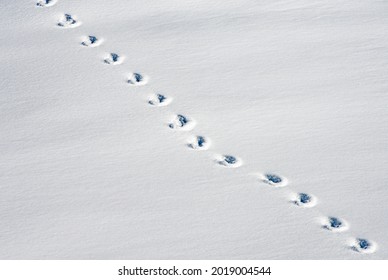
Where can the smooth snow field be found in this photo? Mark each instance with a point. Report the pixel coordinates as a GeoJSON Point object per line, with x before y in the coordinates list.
{"type": "Point", "coordinates": [194, 129]}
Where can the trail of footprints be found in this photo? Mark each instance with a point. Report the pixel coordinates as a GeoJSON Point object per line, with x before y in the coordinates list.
{"type": "Point", "coordinates": [182, 122]}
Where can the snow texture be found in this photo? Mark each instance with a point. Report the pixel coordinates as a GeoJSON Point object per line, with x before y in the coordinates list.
{"type": "Point", "coordinates": [94, 164]}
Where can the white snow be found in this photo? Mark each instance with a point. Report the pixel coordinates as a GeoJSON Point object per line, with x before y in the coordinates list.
{"type": "Point", "coordinates": [297, 88]}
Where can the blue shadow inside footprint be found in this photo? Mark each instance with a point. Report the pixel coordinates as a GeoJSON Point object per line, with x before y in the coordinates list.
{"type": "Point", "coordinates": [273, 178]}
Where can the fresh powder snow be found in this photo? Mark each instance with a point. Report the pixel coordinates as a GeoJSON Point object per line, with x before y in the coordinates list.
{"type": "Point", "coordinates": [194, 129]}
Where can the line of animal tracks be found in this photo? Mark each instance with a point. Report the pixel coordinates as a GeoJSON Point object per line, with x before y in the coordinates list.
{"type": "Point", "coordinates": [182, 122]}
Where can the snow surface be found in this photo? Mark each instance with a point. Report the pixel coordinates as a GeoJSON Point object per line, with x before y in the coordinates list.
{"type": "Point", "coordinates": [296, 88]}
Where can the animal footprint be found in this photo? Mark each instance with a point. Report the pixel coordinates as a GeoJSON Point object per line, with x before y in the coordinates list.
{"type": "Point", "coordinates": [364, 246]}
{"type": "Point", "coordinates": [91, 41]}
{"type": "Point", "coordinates": [181, 122]}
{"type": "Point", "coordinates": [229, 161]}
{"type": "Point", "coordinates": [335, 224]}
{"type": "Point", "coordinates": [68, 21]}
{"type": "Point", "coordinates": [199, 143]}
{"type": "Point", "coordinates": [274, 180]}
{"type": "Point", "coordinates": [305, 200]}
{"type": "Point", "coordinates": [45, 3]}
{"type": "Point", "coordinates": [114, 59]}
{"type": "Point", "coordinates": [136, 79]}
{"type": "Point", "coordinates": [159, 100]}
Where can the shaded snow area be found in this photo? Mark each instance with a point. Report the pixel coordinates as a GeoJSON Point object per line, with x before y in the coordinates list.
{"type": "Point", "coordinates": [194, 129]}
